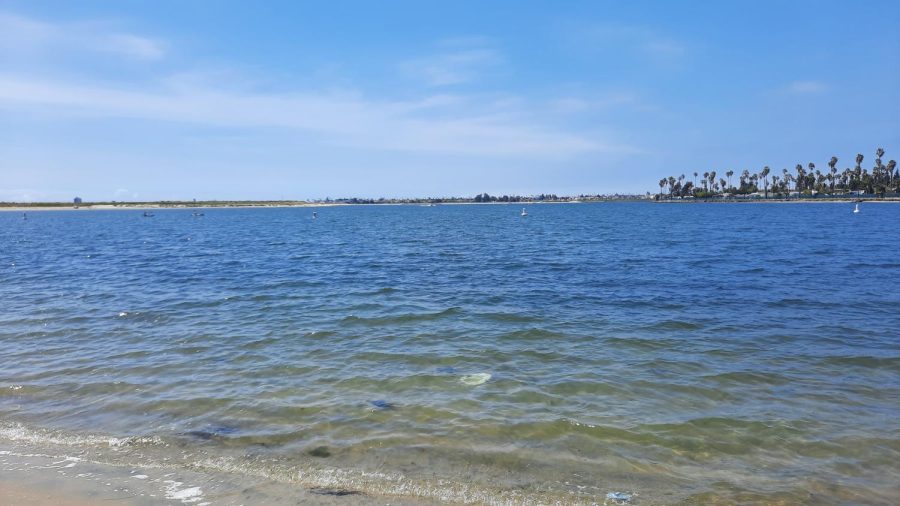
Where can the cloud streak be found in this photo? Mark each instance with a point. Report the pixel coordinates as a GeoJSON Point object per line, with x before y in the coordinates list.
{"type": "Point", "coordinates": [25, 36]}
{"type": "Point", "coordinates": [435, 124]}
{"type": "Point", "coordinates": [462, 61]}
{"type": "Point", "coordinates": [806, 87]}
{"type": "Point", "coordinates": [644, 42]}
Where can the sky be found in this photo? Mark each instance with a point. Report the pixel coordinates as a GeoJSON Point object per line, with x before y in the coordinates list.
{"type": "Point", "coordinates": [226, 100]}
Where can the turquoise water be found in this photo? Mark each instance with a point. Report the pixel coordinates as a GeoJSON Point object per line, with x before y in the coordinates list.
{"type": "Point", "coordinates": [699, 352]}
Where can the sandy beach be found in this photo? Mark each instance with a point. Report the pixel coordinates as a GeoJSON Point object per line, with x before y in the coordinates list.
{"type": "Point", "coordinates": [39, 475]}
{"type": "Point", "coordinates": [157, 207]}
{"type": "Point", "coordinates": [20, 208]}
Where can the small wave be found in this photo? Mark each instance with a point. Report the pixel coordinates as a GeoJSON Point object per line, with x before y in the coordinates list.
{"type": "Point", "coordinates": [638, 343]}
{"type": "Point", "coordinates": [21, 433]}
{"type": "Point", "coordinates": [356, 482]}
{"type": "Point", "coordinates": [400, 319]}
{"type": "Point", "coordinates": [534, 334]}
{"type": "Point", "coordinates": [868, 362]}
{"type": "Point", "coordinates": [747, 378]}
{"type": "Point", "coordinates": [867, 266]}
{"type": "Point", "coordinates": [675, 325]}
{"type": "Point", "coordinates": [801, 303]}
{"type": "Point", "coordinates": [155, 317]}
{"type": "Point", "coordinates": [508, 317]}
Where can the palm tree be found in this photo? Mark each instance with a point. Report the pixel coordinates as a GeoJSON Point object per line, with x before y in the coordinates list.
{"type": "Point", "coordinates": [858, 169]}
{"type": "Point", "coordinates": [832, 167]}
{"type": "Point", "coordinates": [882, 179]}
{"type": "Point", "coordinates": [891, 166]}
{"type": "Point", "coordinates": [695, 179]}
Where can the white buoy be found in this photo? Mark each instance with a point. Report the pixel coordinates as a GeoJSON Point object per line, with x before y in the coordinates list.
{"type": "Point", "coordinates": [856, 209]}
{"type": "Point", "coordinates": [524, 212]}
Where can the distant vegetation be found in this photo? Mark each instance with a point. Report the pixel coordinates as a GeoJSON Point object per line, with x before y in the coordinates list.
{"type": "Point", "coordinates": [485, 198]}
{"type": "Point", "coordinates": [480, 198]}
{"type": "Point", "coordinates": [803, 182]}
{"type": "Point", "coordinates": [160, 203]}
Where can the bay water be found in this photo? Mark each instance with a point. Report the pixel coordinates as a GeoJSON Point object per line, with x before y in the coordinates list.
{"type": "Point", "coordinates": [654, 353]}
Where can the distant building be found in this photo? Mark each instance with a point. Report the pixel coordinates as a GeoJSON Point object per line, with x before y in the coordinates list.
{"type": "Point", "coordinates": [77, 201]}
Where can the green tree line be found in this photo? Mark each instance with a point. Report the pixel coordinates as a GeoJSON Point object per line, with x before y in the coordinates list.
{"type": "Point", "coordinates": [803, 181]}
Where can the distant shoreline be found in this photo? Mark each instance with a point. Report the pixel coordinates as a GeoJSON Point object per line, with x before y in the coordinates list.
{"type": "Point", "coordinates": [147, 206]}
{"type": "Point", "coordinates": [153, 206]}
{"type": "Point", "coordinates": [847, 200]}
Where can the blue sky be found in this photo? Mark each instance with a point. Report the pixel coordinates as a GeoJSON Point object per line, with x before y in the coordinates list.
{"type": "Point", "coordinates": [267, 100]}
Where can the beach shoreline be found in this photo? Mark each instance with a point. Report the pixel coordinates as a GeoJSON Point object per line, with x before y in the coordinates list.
{"type": "Point", "coordinates": [43, 475]}
{"type": "Point", "coordinates": [24, 208]}
{"type": "Point", "coordinates": [778, 201]}
{"type": "Point", "coordinates": [152, 207]}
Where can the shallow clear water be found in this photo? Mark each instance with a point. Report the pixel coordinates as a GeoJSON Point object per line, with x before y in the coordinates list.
{"type": "Point", "coordinates": [697, 352]}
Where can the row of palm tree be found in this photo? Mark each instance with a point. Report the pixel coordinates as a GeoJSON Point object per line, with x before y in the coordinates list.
{"type": "Point", "coordinates": [806, 181]}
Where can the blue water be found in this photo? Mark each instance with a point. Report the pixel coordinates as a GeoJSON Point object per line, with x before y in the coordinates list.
{"type": "Point", "coordinates": [679, 352]}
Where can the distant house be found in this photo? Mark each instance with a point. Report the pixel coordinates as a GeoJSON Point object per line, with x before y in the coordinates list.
{"type": "Point", "coordinates": [77, 201]}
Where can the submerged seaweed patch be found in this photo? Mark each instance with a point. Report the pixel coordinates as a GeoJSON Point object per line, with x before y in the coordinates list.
{"type": "Point", "coordinates": [319, 451]}
{"type": "Point", "coordinates": [337, 492]}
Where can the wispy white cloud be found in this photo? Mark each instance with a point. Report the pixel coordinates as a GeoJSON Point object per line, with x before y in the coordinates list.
{"type": "Point", "coordinates": [805, 87]}
{"type": "Point", "coordinates": [21, 35]}
{"type": "Point", "coordinates": [496, 125]}
{"type": "Point", "coordinates": [663, 48]}
{"type": "Point", "coordinates": [133, 46]}
{"type": "Point", "coordinates": [457, 61]}
{"type": "Point", "coordinates": [30, 195]}
{"type": "Point", "coordinates": [579, 104]}
{"type": "Point", "coordinates": [642, 41]}
{"type": "Point", "coordinates": [19, 30]}
{"type": "Point", "coordinates": [439, 124]}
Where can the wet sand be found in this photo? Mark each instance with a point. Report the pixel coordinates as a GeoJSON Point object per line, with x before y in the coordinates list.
{"type": "Point", "coordinates": [35, 476]}
{"type": "Point", "coordinates": [23, 496]}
